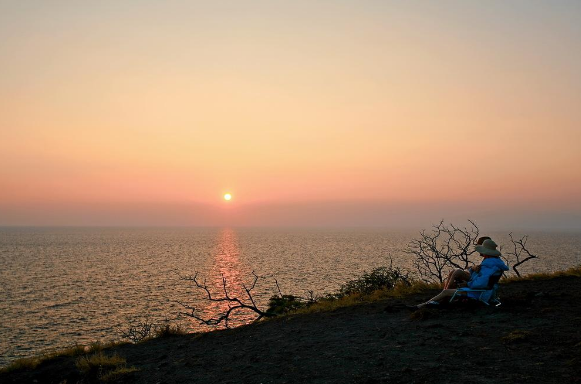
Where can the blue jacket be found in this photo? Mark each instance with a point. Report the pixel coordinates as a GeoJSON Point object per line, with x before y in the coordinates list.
{"type": "Point", "coordinates": [488, 267]}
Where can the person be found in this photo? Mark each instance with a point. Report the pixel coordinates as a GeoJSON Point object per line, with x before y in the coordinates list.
{"type": "Point", "coordinates": [458, 278]}
{"type": "Point", "coordinates": [479, 277]}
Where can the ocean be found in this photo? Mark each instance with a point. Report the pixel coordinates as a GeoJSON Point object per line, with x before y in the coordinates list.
{"type": "Point", "coordinates": [74, 286]}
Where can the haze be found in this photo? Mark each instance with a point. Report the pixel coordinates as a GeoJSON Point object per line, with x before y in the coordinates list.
{"type": "Point", "coordinates": [349, 113]}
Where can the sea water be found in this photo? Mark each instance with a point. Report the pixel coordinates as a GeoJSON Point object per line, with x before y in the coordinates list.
{"type": "Point", "coordinates": [71, 286]}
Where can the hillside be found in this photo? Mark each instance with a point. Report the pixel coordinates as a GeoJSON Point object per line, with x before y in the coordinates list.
{"type": "Point", "coordinates": [534, 337]}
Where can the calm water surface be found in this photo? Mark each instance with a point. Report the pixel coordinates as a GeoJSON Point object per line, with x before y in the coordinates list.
{"type": "Point", "coordinates": [65, 286]}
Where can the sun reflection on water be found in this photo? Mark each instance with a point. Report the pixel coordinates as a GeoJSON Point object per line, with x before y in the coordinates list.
{"type": "Point", "coordinates": [227, 267]}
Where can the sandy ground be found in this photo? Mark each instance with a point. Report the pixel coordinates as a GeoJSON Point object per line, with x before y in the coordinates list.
{"type": "Point", "coordinates": [534, 337]}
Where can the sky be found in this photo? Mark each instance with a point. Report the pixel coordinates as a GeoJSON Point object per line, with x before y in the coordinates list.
{"type": "Point", "coordinates": [324, 113]}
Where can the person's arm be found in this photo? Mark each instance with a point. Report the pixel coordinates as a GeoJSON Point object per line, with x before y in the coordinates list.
{"type": "Point", "coordinates": [480, 280]}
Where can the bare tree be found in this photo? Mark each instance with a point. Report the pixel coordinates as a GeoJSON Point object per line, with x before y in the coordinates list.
{"type": "Point", "coordinates": [233, 304]}
{"type": "Point", "coordinates": [519, 254]}
{"type": "Point", "coordinates": [445, 246]}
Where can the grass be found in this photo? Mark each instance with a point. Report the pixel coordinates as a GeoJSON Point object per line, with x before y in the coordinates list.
{"type": "Point", "coordinates": [167, 330]}
{"type": "Point", "coordinates": [117, 373]}
{"type": "Point", "coordinates": [86, 364]}
{"type": "Point", "coordinates": [571, 272]}
{"type": "Point", "coordinates": [170, 330]}
{"type": "Point", "coordinates": [400, 290]}
{"type": "Point", "coordinates": [76, 350]}
{"type": "Point", "coordinates": [102, 367]}
{"type": "Point", "coordinates": [516, 336]}
{"type": "Point", "coordinates": [29, 363]}
{"type": "Point", "coordinates": [20, 364]}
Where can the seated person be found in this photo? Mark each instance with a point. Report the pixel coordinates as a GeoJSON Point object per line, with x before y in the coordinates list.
{"type": "Point", "coordinates": [479, 279]}
{"type": "Point", "coordinates": [460, 277]}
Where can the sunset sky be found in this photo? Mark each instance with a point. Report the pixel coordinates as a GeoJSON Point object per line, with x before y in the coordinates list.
{"type": "Point", "coordinates": [379, 113]}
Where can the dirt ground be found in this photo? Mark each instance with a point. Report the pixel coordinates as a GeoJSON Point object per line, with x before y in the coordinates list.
{"type": "Point", "coordinates": [533, 337]}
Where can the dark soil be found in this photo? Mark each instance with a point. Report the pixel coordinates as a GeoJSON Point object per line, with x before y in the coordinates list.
{"type": "Point", "coordinates": [533, 337]}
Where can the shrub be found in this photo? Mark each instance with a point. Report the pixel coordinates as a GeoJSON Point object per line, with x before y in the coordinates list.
{"type": "Point", "coordinates": [144, 330]}
{"type": "Point", "coordinates": [378, 278]}
{"type": "Point", "coordinates": [168, 330]}
{"type": "Point", "coordinates": [279, 305]}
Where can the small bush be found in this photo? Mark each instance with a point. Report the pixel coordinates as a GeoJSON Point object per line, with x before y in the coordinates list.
{"type": "Point", "coordinates": [144, 330]}
{"type": "Point", "coordinates": [279, 305]}
{"type": "Point", "coordinates": [378, 284]}
{"type": "Point", "coordinates": [168, 330]}
{"type": "Point", "coordinates": [378, 278]}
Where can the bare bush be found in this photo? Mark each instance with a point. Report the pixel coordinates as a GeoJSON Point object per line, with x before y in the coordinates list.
{"type": "Point", "coordinates": [519, 254]}
{"type": "Point", "coordinates": [448, 247]}
{"type": "Point", "coordinates": [445, 246]}
{"type": "Point", "coordinates": [146, 329]}
{"type": "Point", "coordinates": [139, 330]}
{"type": "Point", "coordinates": [233, 303]}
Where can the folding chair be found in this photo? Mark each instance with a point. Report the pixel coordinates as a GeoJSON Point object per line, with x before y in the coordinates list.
{"type": "Point", "coordinates": [487, 295]}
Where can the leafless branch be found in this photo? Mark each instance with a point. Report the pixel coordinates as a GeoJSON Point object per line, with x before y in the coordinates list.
{"type": "Point", "coordinates": [445, 246]}
{"type": "Point", "coordinates": [519, 250]}
{"type": "Point", "coordinates": [278, 287]}
{"type": "Point", "coordinates": [138, 331]}
{"type": "Point", "coordinates": [233, 303]}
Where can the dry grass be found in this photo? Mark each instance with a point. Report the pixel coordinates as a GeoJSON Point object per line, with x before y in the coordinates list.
{"type": "Point", "coordinates": [76, 350]}
{"type": "Point", "coordinates": [516, 336]}
{"type": "Point", "coordinates": [170, 330]}
{"type": "Point", "coordinates": [20, 364]}
{"type": "Point", "coordinates": [574, 272]}
{"type": "Point", "coordinates": [103, 367]}
{"type": "Point", "coordinates": [80, 350]}
{"type": "Point", "coordinates": [399, 291]}
{"type": "Point", "coordinates": [86, 364]}
{"type": "Point", "coordinates": [117, 374]}
{"type": "Point", "coordinates": [402, 290]}
{"type": "Point", "coordinates": [324, 305]}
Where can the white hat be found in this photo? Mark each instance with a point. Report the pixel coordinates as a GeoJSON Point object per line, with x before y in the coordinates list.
{"type": "Point", "coordinates": [487, 248]}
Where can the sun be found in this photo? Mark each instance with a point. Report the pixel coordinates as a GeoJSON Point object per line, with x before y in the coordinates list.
{"type": "Point", "coordinates": [227, 197]}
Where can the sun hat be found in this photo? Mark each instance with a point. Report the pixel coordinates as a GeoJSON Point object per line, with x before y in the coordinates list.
{"type": "Point", "coordinates": [481, 240]}
{"type": "Point", "coordinates": [487, 248]}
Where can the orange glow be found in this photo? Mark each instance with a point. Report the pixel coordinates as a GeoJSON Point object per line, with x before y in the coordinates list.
{"type": "Point", "coordinates": [296, 103]}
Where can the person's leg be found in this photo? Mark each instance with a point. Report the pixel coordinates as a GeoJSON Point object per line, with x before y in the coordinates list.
{"type": "Point", "coordinates": [440, 297]}
{"type": "Point", "coordinates": [457, 274]}
{"type": "Point", "coordinates": [448, 279]}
